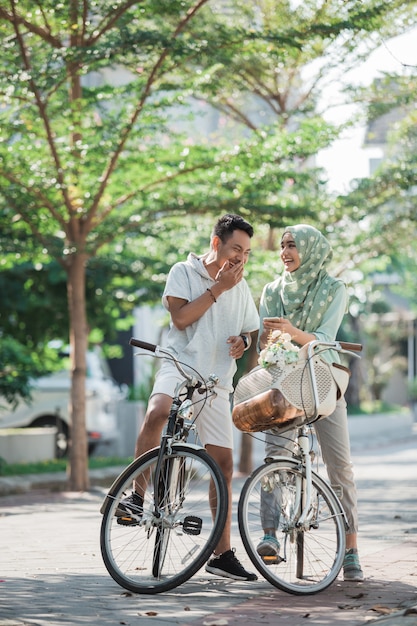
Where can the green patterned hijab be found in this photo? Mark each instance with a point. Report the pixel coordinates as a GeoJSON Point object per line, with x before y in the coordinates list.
{"type": "Point", "coordinates": [306, 292]}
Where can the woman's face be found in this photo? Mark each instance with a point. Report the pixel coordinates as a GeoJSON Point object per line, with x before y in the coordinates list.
{"type": "Point", "coordinates": [289, 253]}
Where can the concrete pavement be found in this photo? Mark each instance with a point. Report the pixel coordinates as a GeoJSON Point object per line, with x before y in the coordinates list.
{"type": "Point", "coordinates": [52, 571]}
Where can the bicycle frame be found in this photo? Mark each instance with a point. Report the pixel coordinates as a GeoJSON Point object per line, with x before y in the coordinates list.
{"type": "Point", "coordinates": [302, 430]}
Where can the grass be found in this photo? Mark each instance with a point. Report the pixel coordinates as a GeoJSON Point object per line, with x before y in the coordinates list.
{"type": "Point", "coordinates": [375, 407]}
{"type": "Point", "coordinates": [57, 465]}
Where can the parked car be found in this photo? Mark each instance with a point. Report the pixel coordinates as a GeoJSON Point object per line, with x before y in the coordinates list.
{"type": "Point", "coordinates": [49, 405]}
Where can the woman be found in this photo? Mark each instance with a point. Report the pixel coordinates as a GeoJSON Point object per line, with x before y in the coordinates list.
{"type": "Point", "coordinates": [309, 304]}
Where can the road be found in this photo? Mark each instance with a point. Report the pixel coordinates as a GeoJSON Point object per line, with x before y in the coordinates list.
{"type": "Point", "coordinates": [52, 571]}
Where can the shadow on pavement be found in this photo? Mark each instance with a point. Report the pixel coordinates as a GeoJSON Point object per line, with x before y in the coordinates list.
{"type": "Point", "coordinates": [84, 599]}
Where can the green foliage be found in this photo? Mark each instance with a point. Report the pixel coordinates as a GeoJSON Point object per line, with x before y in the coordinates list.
{"type": "Point", "coordinates": [374, 408]}
{"type": "Point", "coordinates": [18, 364]}
{"type": "Point", "coordinates": [122, 123]}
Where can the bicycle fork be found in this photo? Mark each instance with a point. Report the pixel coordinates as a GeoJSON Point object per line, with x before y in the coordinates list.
{"type": "Point", "coordinates": [301, 513]}
{"type": "Point", "coordinates": [303, 495]}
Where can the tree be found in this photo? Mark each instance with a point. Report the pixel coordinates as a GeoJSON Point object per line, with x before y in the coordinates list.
{"type": "Point", "coordinates": [77, 167]}
{"type": "Point", "coordinates": [89, 153]}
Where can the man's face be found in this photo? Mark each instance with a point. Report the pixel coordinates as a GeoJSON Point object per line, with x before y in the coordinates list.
{"type": "Point", "coordinates": [236, 249]}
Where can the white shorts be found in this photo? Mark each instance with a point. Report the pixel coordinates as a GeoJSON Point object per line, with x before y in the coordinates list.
{"type": "Point", "coordinates": [213, 417]}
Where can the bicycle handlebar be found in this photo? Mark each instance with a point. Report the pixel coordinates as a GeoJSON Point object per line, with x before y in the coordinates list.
{"type": "Point", "coordinates": [339, 346]}
{"type": "Point", "coordinates": [189, 377]}
{"type": "Point", "coordinates": [138, 343]}
{"type": "Point", "coordinates": [354, 347]}
{"type": "Point", "coordinates": [151, 347]}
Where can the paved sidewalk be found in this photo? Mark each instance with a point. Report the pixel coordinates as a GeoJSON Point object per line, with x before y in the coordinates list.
{"type": "Point", "coordinates": [52, 572]}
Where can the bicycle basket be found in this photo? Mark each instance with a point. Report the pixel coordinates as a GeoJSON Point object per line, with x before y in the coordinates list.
{"type": "Point", "coordinates": [257, 406]}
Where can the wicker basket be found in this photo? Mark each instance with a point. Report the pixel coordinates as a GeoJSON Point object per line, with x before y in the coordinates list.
{"type": "Point", "coordinates": [283, 396]}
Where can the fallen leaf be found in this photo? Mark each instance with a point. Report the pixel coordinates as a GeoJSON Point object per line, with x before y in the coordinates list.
{"type": "Point", "coordinates": [382, 610]}
{"type": "Point", "coordinates": [412, 610]}
{"type": "Point", "coordinates": [151, 613]}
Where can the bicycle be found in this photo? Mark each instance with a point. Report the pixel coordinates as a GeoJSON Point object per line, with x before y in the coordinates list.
{"type": "Point", "coordinates": [310, 519]}
{"type": "Point", "coordinates": [185, 500]}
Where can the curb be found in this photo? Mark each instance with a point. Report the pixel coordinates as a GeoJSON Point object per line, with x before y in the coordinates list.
{"type": "Point", "coordinates": [54, 481]}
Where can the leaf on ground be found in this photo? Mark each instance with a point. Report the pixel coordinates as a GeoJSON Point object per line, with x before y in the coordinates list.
{"type": "Point", "coordinates": [412, 610]}
{"type": "Point", "coordinates": [382, 610]}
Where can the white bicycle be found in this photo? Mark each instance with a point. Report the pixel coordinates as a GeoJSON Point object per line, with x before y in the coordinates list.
{"type": "Point", "coordinates": [309, 517]}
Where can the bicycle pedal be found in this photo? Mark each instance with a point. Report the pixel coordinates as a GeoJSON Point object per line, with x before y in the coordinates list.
{"type": "Point", "coordinates": [272, 560]}
{"type": "Point", "coordinates": [192, 525]}
{"type": "Point", "coordinates": [128, 521]}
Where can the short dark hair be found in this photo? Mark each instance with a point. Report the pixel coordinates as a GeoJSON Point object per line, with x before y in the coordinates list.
{"type": "Point", "coordinates": [226, 224]}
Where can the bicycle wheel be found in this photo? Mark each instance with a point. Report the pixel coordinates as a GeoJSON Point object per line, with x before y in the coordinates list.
{"type": "Point", "coordinates": [169, 543]}
{"type": "Point", "coordinates": [311, 553]}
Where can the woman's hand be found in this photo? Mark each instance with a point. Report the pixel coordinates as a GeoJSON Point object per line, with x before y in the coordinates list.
{"type": "Point", "coordinates": [280, 323]}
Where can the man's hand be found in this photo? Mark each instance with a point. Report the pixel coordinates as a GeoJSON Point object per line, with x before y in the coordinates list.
{"type": "Point", "coordinates": [237, 346]}
{"type": "Point", "coordinates": [229, 275]}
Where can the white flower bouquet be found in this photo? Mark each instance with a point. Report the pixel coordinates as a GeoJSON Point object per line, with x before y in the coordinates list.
{"type": "Point", "coordinates": [279, 350]}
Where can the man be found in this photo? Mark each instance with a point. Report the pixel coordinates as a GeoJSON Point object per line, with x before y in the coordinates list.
{"type": "Point", "coordinates": [212, 313]}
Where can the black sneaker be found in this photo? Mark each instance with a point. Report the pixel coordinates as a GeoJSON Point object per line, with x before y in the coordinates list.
{"type": "Point", "coordinates": [228, 566]}
{"type": "Point", "coordinates": [130, 510]}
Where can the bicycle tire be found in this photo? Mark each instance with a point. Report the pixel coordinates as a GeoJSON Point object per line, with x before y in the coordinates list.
{"type": "Point", "coordinates": [310, 556]}
{"type": "Point", "coordinates": [130, 552]}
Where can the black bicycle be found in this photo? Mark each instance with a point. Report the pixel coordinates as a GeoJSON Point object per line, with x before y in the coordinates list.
{"type": "Point", "coordinates": [185, 501]}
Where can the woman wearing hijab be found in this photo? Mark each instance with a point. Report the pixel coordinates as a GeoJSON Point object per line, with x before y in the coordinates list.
{"type": "Point", "coordinates": [309, 304]}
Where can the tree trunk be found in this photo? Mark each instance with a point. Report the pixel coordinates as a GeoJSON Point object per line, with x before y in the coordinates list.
{"type": "Point", "coordinates": [352, 394]}
{"type": "Point", "coordinates": [78, 475]}
{"type": "Point", "coordinates": [245, 458]}
{"type": "Point", "coordinates": [245, 465]}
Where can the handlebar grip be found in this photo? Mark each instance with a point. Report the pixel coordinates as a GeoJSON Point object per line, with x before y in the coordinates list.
{"type": "Point", "coordinates": [355, 347]}
{"type": "Point", "coordinates": [138, 343]}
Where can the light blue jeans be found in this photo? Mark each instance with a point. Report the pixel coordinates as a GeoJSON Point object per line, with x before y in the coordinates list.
{"type": "Point", "coordinates": [333, 436]}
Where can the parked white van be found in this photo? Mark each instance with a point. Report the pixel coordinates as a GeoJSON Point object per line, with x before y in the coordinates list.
{"type": "Point", "coordinates": [49, 405]}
